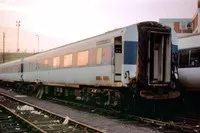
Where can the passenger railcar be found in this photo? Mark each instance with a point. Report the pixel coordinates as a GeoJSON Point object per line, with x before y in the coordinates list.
{"type": "Point", "coordinates": [189, 69]}
{"type": "Point", "coordinates": [189, 62]}
{"type": "Point", "coordinates": [109, 69]}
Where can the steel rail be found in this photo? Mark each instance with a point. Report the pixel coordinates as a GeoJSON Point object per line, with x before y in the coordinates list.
{"type": "Point", "coordinates": [24, 120]}
{"type": "Point", "coordinates": [71, 121]}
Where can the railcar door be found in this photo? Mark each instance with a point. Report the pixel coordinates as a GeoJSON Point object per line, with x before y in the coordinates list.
{"type": "Point", "coordinates": [37, 77]}
{"type": "Point", "coordinates": [21, 69]}
{"type": "Point", "coordinates": [117, 59]}
{"type": "Point", "coordinates": [159, 64]}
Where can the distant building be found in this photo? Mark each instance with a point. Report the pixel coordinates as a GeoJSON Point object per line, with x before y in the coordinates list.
{"type": "Point", "coordinates": [188, 32]}
{"type": "Point", "coordinates": [184, 26]}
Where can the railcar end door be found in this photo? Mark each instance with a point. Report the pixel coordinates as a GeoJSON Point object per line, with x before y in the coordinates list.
{"type": "Point", "coordinates": [117, 59]}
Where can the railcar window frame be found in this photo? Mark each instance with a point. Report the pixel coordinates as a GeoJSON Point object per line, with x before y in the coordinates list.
{"type": "Point", "coordinates": [74, 59]}
{"type": "Point", "coordinates": [99, 55]}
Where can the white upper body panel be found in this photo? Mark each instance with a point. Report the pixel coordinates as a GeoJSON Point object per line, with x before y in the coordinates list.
{"type": "Point", "coordinates": [191, 41]}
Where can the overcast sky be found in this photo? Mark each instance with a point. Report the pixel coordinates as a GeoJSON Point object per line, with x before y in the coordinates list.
{"type": "Point", "coordinates": [77, 19]}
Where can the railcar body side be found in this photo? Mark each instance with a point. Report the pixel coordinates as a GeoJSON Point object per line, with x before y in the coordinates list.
{"type": "Point", "coordinates": [10, 71]}
{"type": "Point", "coordinates": [76, 72]}
{"type": "Point", "coordinates": [189, 70]}
{"type": "Point", "coordinates": [189, 62]}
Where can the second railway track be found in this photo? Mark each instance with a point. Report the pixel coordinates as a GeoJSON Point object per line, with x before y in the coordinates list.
{"type": "Point", "coordinates": [44, 120]}
{"type": "Point", "coordinates": [183, 124]}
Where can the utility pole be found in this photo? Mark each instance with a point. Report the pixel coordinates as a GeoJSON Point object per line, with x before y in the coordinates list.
{"type": "Point", "coordinates": [3, 47]}
{"type": "Point", "coordinates": [38, 43]}
{"type": "Point", "coordinates": [18, 25]}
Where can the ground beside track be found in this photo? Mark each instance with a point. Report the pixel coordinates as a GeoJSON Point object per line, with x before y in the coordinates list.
{"type": "Point", "coordinates": [107, 124]}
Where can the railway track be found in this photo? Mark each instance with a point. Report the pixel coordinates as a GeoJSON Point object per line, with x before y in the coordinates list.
{"type": "Point", "coordinates": [12, 122]}
{"type": "Point", "coordinates": [44, 120]}
{"type": "Point", "coordinates": [182, 124]}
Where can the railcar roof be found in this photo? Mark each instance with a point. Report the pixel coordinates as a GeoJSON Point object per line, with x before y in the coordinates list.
{"type": "Point", "coordinates": [193, 34]}
{"type": "Point", "coordinates": [10, 62]}
{"type": "Point", "coordinates": [111, 31]}
{"type": "Point", "coordinates": [85, 39]}
{"type": "Point", "coordinates": [108, 32]}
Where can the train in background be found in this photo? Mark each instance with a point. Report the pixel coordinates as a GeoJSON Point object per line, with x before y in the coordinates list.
{"type": "Point", "coordinates": [189, 62]}
{"type": "Point", "coordinates": [189, 68]}
{"type": "Point", "coordinates": [117, 69]}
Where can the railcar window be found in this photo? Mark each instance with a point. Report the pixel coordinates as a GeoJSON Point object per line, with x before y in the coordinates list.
{"type": "Point", "coordinates": [67, 60]}
{"type": "Point", "coordinates": [99, 56]}
{"type": "Point", "coordinates": [82, 59]}
{"type": "Point", "coordinates": [56, 62]}
{"type": "Point", "coordinates": [46, 62]}
{"type": "Point", "coordinates": [195, 57]}
{"type": "Point", "coordinates": [183, 58]}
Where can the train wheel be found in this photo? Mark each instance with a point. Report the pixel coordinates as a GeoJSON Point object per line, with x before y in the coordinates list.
{"type": "Point", "coordinates": [31, 89]}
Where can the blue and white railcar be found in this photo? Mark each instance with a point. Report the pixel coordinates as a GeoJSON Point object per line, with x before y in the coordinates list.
{"type": "Point", "coordinates": [88, 62]}
{"type": "Point", "coordinates": [139, 58]}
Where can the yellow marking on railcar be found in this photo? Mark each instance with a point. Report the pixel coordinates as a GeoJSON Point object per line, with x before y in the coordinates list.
{"type": "Point", "coordinates": [98, 78]}
{"type": "Point", "coordinates": [105, 78]}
